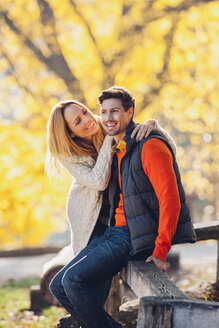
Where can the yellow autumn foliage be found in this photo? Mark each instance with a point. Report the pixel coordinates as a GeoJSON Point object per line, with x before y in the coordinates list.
{"type": "Point", "coordinates": [165, 53]}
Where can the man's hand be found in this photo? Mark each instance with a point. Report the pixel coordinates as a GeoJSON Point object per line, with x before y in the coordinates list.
{"type": "Point", "coordinates": [143, 130]}
{"type": "Point", "coordinates": [159, 263]}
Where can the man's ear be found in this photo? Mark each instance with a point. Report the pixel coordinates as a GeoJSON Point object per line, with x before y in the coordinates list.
{"type": "Point", "coordinates": [131, 111]}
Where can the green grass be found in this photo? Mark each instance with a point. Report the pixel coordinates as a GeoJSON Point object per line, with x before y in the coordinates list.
{"type": "Point", "coordinates": [14, 305]}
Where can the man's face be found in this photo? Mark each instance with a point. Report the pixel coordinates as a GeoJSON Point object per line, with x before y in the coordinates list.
{"type": "Point", "coordinates": [114, 118]}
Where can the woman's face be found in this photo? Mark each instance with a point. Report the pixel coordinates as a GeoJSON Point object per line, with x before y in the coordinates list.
{"type": "Point", "coordinates": [81, 122]}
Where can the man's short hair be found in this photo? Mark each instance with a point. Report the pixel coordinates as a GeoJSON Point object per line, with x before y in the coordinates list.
{"type": "Point", "coordinates": [121, 93]}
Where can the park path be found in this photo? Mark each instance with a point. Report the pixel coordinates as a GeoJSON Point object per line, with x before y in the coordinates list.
{"type": "Point", "coordinates": [17, 268]}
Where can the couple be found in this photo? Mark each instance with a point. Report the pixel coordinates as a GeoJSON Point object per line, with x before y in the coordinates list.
{"type": "Point", "coordinates": [126, 200]}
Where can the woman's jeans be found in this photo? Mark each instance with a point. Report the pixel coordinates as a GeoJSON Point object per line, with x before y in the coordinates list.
{"type": "Point", "coordinates": [82, 286]}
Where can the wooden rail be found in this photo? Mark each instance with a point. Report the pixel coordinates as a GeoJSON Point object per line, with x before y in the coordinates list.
{"type": "Point", "coordinates": [145, 279]}
{"type": "Point", "coordinates": [207, 230]}
{"type": "Point", "coordinates": [162, 304]}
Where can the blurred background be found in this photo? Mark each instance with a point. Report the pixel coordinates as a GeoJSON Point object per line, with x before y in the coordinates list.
{"type": "Point", "coordinates": [166, 52]}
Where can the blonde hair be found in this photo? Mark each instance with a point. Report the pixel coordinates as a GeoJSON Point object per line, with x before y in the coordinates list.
{"type": "Point", "coordinates": [59, 142]}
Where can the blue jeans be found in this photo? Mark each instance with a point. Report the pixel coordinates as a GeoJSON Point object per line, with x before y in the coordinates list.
{"type": "Point", "coordinates": [77, 286]}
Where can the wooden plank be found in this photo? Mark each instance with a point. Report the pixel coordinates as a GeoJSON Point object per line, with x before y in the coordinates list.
{"type": "Point", "coordinates": [145, 279]}
{"type": "Point", "coordinates": [29, 251]}
{"type": "Point", "coordinates": [207, 230]}
{"type": "Point", "coordinates": [186, 313]}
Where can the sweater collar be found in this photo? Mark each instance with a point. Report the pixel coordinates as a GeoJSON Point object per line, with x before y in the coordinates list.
{"type": "Point", "coordinates": [127, 141]}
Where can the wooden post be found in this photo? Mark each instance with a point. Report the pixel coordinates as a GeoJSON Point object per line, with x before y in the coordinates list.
{"type": "Point", "coordinates": [44, 285]}
{"type": "Point", "coordinates": [37, 302]}
{"type": "Point", "coordinates": [164, 312]}
{"type": "Point", "coordinates": [113, 300]}
{"type": "Point", "coordinates": [153, 315]}
{"type": "Point", "coordinates": [217, 278]}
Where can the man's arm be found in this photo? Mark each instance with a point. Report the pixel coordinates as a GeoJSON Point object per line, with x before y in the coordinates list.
{"type": "Point", "coordinates": [157, 163]}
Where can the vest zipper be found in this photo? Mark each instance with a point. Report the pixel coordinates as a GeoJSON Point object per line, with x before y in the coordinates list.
{"type": "Point", "coordinates": [131, 251]}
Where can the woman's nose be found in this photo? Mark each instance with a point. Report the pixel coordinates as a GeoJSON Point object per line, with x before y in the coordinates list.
{"type": "Point", "coordinates": [88, 119]}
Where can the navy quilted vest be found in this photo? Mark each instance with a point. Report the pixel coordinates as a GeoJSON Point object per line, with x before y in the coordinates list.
{"type": "Point", "coordinates": [141, 205]}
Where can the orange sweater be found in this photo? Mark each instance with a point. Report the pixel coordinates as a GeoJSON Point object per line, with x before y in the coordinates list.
{"type": "Point", "coordinates": [157, 163]}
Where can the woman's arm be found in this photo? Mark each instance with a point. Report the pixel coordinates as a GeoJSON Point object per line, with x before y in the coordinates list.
{"type": "Point", "coordinates": [166, 136]}
{"type": "Point", "coordinates": [96, 177]}
{"type": "Point", "coordinates": [144, 129]}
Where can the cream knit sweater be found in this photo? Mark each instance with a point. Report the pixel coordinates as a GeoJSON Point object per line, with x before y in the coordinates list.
{"type": "Point", "coordinates": [86, 192]}
{"type": "Point", "coordinates": [90, 178]}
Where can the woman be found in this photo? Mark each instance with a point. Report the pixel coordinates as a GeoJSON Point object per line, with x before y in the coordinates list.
{"type": "Point", "coordinates": [77, 141]}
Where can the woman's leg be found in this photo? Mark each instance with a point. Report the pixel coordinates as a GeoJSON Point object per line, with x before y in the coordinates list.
{"type": "Point", "coordinates": [56, 286]}
{"type": "Point", "coordinates": [102, 263]}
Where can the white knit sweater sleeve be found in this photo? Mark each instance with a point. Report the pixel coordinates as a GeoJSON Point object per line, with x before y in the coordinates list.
{"type": "Point", "coordinates": [92, 175]}
{"type": "Point", "coordinates": [165, 135]}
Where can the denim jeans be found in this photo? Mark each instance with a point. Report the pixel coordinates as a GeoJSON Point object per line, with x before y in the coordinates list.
{"type": "Point", "coordinates": [77, 286]}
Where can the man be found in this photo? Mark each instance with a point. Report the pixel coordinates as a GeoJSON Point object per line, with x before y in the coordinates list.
{"type": "Point", "coordinates": [146, 200]}
{"type": "Point", "coordinates": [149, 197]}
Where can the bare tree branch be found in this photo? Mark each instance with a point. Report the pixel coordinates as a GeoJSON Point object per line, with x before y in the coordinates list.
{"type": "Point", "coordinates": [162, 76]}
{"type": "Point", "coordinates": [48, 20]}
{"type": "Point", "coordinates": [183, 6]}
{"type": "Point", "coordinates": [12, 72]}
{"type": "Point", "coordinates": [55, 62]}
{"type": "Point", "coordinates": [90, 33]}
{"type": "Point", "coordinates": [108, 77]}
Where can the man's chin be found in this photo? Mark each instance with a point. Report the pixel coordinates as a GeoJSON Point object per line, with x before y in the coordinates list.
{"type": "Point", "coordinates": [111, 133]}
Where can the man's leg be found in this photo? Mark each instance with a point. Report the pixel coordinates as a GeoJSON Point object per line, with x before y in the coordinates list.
{"type": "Point", "coordinates": [99, 265]}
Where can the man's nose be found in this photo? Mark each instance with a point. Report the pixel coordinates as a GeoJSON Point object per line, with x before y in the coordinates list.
{"type": "Point", "coordinates": [108, 116]}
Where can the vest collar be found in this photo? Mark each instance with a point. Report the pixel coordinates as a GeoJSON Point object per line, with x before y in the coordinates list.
{"type": "Point", "coordinates": [130, 141]}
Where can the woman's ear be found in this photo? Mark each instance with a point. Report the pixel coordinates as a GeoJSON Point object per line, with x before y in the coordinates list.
{"type": "Point", "coordinates": [72, 135]}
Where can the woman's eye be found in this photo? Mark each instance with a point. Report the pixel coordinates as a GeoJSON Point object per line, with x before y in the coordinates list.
{"type": "Point", "coordinates": [78, 121]}
{"type": "Point", "coordinates": [85, 112]}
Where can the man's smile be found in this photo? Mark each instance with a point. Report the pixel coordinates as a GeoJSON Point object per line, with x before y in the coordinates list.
{"type": "Point", "coordinates": [110, 125]}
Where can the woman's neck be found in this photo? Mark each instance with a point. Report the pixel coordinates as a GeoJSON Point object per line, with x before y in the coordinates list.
{"type": "Point", "coordinates": [89, 140]}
